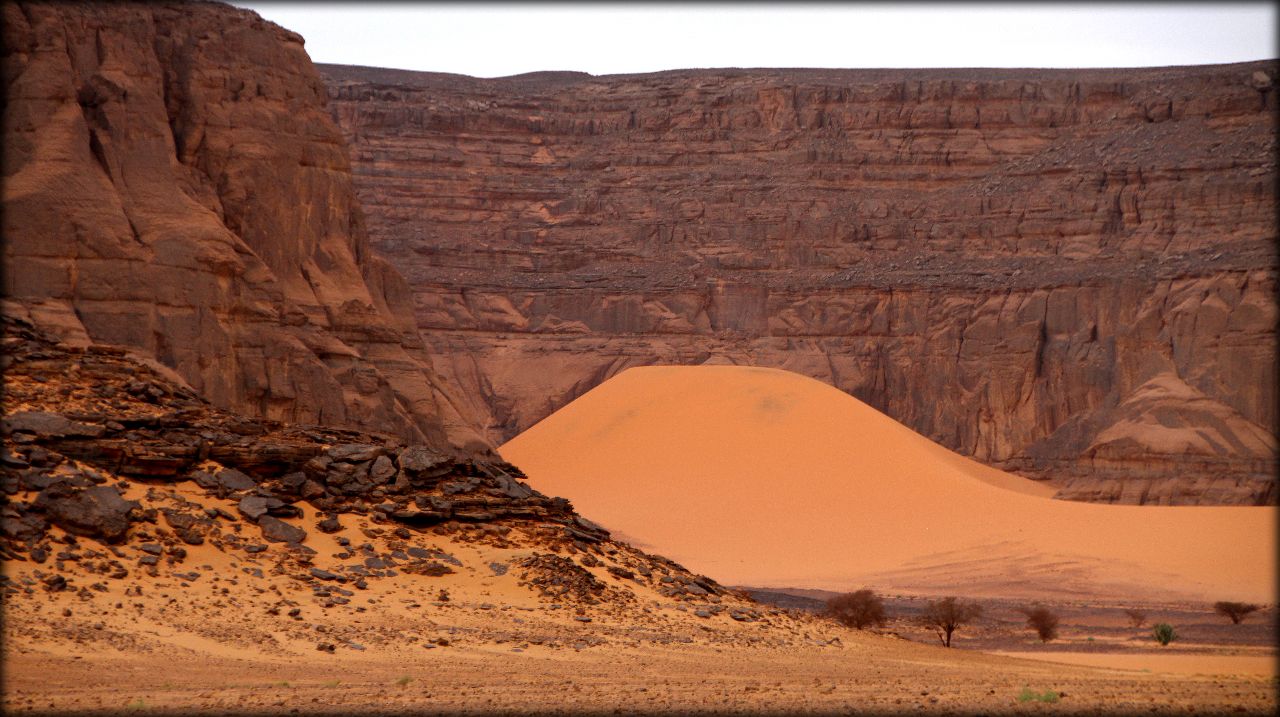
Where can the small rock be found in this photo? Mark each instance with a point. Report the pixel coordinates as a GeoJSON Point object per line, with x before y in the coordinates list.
{"type": "Point", "coordinates": [232, 479]}
{"type": "Point", "coordinates": [278, 531]}
{"type": "Point", "coordinates": [382, 469]}
{"type": "Point", "coordinates": [253, 506]}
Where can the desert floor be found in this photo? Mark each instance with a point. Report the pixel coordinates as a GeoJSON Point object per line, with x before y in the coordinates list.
{"type": "Point", "coordinates": [867, 673]}
{"type": "Point", "coordinates": [65, 654]}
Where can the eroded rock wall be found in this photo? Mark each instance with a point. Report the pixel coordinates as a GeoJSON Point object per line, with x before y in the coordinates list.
{"type": "Point", "coordinates": [173, 183]}
{"type": "Point", "coordinates": [1069, 274]}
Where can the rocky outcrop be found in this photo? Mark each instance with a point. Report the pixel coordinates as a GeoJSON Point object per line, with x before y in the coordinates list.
{"type": "Point", "coordinates": [173, 183]}
{"type": "Point", "coordinates": [1068, 274]}
{"type": "Point", "coordinates": [98, 445]}
{"type": "Point", "coordinates": [124, 419]}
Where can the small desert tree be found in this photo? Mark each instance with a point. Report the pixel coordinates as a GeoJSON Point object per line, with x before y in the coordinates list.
{"type": "Point", "coordinates": [1237, 611]}
{"type": "Point", "coordinates": [1136, 616]}
{"type": "Point", "coordinates": [946, 615]}
{"type": "Point", "coordinates": [1042, 620]}
{"type": "Point", "coordinates": [1164, 633]}
{"type": "Point", "coordinates": [859, 609]}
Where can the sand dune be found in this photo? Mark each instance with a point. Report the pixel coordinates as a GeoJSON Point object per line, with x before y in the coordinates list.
{"type": "Point", "coordinates": [764, 477]}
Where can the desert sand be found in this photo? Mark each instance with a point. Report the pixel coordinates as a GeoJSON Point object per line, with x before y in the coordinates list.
{"type": "Point", "coordinates": [764, 477]}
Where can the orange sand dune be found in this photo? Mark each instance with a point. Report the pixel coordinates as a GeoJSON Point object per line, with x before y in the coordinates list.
{"type": "Point", "coordinates": [764, 477]}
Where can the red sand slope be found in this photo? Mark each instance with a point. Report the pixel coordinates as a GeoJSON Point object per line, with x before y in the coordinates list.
{"type": "Point", "coordinates": [764, 477]}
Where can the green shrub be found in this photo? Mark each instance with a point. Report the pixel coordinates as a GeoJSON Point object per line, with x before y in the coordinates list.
{"type": "Point", "coordinates": [1029, 695]}
{"type": "Point", "coordinates": [1164, 633]}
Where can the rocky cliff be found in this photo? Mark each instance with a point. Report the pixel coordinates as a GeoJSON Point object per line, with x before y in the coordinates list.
{"type": "Point", "coordinates": [173, 183]}
{"type": "Point", "coordinates": [1068, 274]}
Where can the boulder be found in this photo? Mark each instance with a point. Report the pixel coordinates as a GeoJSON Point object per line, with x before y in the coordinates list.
{"type": "Point", "coordinates": [354, 452]}
{"type": "Point", "coordinates": [423, 460]}
{"type": "Point", "coordinates": [48, 425]}
{"type": "Point", "coordinates": [96, 512]}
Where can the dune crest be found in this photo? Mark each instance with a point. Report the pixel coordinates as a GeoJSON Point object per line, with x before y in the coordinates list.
{"type": "Point", "coordinates": [765, 477]}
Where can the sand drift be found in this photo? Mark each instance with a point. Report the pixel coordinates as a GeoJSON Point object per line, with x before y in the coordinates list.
{"type": "Point", "coordinates": [765, 477]}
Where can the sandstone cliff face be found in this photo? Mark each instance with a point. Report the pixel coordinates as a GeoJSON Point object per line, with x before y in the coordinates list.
{"type": "Point", "coordinates": [1068, 274]}
{"type": "Point", "coordinates": [173, 183]}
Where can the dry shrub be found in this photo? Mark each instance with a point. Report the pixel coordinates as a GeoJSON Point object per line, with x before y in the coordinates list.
{"type": "Point", "coordinates": [859, 609]}
{"type": "Point", "coordinates": [1042, 620]}
{"type": "Point", "coordinates": [945, 616]}
{"type": "Point", "coordinates": [1237, 611]}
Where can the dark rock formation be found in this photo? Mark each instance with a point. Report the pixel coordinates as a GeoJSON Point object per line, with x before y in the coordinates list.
{"type": "Point", "coordinates": [162, 445]}
{"type": "Point", "coordinates": [267, 465]}
{"type": "Point", "coordinates": [173, 184]}
{"type": "Point", "coordinates": [1018, 264]}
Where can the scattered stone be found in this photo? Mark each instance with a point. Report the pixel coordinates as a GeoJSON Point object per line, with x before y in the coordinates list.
{"type": "Point", "coordinates": [253, 506]}
{"type": "Point", "coordinates": [278, 531]}
{"type": "Point", "coordinates": [231, 479]}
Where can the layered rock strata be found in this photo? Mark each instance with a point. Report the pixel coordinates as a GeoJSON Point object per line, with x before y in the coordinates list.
{"type": "Point", "coordinates": [173, 183]}
{"type": "Point", "coordinates": [1069, 274]}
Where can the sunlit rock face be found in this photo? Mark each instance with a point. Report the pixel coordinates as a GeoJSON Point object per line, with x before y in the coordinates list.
{"type": "Point", "coordinates": [1069, 274]}
{"type": "Point", "coordinates": [173, 183]}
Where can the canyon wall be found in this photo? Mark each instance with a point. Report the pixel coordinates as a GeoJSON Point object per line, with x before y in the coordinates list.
{"type": "Point", "coordinates": [173, 183]}
{"type": "Point", "coordinates": [1070, 274]}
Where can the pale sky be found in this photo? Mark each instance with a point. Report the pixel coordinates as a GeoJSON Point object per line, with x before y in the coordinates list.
{"type": "Point", "coordinates": [492, 39]}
